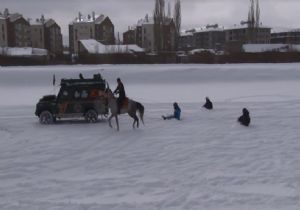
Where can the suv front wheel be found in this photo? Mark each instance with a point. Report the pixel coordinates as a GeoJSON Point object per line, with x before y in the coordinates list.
{"type": "Point", "coordinates": [46, 117]}
{"type": "Point", "coordinates": [91, 116]}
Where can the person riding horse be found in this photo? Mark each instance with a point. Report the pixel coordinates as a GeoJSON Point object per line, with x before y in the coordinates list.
{"type": "Point", "coordinates": [122, 95]}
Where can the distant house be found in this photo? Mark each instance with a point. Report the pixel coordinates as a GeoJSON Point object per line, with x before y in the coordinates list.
{"type": "Point", "coordinates": [285, 36]}
{"type": "Point", "coordinates": [98, 27]}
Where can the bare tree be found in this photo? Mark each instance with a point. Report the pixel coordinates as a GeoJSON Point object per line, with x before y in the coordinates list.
{"type": "Point", "coordinates": [257, 14]}
{"type": "Point", "coordinates": [159, 19]}
{"type": "Point", "coordinates": [251, 15]}
{"type": "Point", "coordinates": [169, 10]}
{"type": "Point", "coordinates": [177, 20]}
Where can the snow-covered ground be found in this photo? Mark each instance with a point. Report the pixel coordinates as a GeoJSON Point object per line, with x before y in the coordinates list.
{"type": "Point", "coordinates": [205, 161]}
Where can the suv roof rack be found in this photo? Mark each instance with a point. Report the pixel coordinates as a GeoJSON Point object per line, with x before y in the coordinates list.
{"type": "Point", "coordinates": [97, 79]}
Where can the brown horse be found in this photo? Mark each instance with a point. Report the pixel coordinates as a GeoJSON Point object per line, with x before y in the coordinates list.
{"type": "Point", "coordinates": [129, 106]}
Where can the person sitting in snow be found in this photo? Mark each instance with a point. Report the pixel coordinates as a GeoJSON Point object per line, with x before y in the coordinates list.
{"type": "Point", "coordinates": [176, 115]}
{"type": "Point", "coordinates": [208, 104]}
{"type": "Point", "coordinates": [245, 118]}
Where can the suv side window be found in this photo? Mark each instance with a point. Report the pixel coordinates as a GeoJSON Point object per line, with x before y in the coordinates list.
{"type": "Point", "coordinates": [84, 94]}
{"type": "Point", "coordinates": [76, 94]}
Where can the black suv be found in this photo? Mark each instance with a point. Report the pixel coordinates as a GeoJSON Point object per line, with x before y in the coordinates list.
{"type": "Point", "coordinates": [76, 98]}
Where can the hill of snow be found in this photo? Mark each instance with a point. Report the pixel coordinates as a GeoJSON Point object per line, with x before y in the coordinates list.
{"type": "Point", "coordinates": [205, 161]}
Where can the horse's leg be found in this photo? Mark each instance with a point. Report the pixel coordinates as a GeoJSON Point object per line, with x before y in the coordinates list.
{"type": "Point", "coordinates": [135, 119]}
{"type": "Point", "coordinates": [109, 120]}
{"type": "Point", "coordinates": [117, 121]}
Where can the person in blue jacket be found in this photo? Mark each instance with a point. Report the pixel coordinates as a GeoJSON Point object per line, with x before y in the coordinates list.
{"type": "Point", "coordinates": [176, 115]}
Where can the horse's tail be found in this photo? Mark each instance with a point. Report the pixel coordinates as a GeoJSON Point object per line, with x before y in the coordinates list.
{"type": "Point", "coordinates": [141, 110]}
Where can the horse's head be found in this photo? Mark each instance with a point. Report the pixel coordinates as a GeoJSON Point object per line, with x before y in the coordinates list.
{"type": "Point", "coordinates": [109, 93]}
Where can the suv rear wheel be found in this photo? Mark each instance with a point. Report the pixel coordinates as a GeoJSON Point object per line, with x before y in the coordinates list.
{"type": "Point", "coordinates": [91, 116]}
{"type": "Point", "coordinates": [46, 117]}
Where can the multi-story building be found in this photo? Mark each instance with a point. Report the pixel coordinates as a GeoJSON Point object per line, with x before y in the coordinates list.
{"type": "Point", "coordinates": [129, 36]}
{"type": "Point", "coordinates": [286, 37]}
{"type": "Point", "coordinates": [46, 34]}
{"type": "Point", "coordinates": [53, 37]}
{"type": "Point", "coordinates": [248, 35]}
{"type": "Point", "coordinates": [3, 31]}
{"type": "Point", "coordinates": [37, 33]}
{"type": "Point", "coordinates": [148, 38]}
{"type": "Point", "coordinates": [17, 29]}
{"type": "Point", "coordinates": [144, 35]}
{"type": "Point", "coordinates": [209, 37]}
{"type": "Point", "coordinates": [186, 40]}
{"type": "Point", "coordinates": [95, 27]}
{"type": "Point", "coordinates": [237, 36]}
{"type": "Point", "coordinates": [169, 33]}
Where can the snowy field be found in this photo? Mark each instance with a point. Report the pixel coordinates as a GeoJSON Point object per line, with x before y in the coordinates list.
{"type": "Point", "coordinates": [205, 161]}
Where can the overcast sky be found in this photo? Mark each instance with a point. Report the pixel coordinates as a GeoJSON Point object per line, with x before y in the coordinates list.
{"type": "Point", "coordinates": [124, 13]}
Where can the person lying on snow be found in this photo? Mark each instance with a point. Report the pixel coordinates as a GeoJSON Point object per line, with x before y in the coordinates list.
{"type": "Point", "coordinates": [245, 118]}
{"type": "Point", "coordinates": [176, 115]}
{"type": "Point", "coordinates": [208, 104]}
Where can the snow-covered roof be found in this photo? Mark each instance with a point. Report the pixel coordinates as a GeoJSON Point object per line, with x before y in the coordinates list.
{"type": "Point", "coordinates": [285, 30]}
{"type": "Point", "coordinates": [255, 48]}
{"type": "Point", "coordinates": [184, 33]}
{"type": "Point", "coordinates": [94, 47]}
{"type": "Point", "coordinates": [36, 22]}
{"type": "Point", "coordinates": [22, 51]}
{"type": "Point", "coordinates": [49, 22]}
{"type": "Point", "coordinates": [100, 19]}
{"type": "Point", "coordinates": [89, 19]}
{"type": "Point", "coordinates": [239, 26]}
{"type": "Point", "coordinates": [195, 51]}
{"type": "Point", "coordinates": [205, 29]}
{"type": "Point", "coordinates": [146, 20]}
{"type": "Point", "coordinates": [14, 17]}
{"type": "Point", "coordinates": [150, 20]}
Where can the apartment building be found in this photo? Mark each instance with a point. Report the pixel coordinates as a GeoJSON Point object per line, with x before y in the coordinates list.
{"type": "Point", "coordinates": [3, 31]}
{"type": "Point", "coordinates": [248, 35]}
{"type": "Point", "coordinates": [186, 40]}
{"type": "Point", "coordinates": [14, 30]}
{"type": "Point", "coordinates": [285, 36]}
{"type": "Point", "coordinates": [53, 37]}
{"type": "Point", "coordinates": [209, 37]}
{"type": "Point", "coordinates": [98, 27]}
{"type": "Point", "coordinates": [37, 33]}
{"type": "Point", "coordinates": [144, 34]}
{"type": "Point", "coordinates": [46, 34]}
{"type": "Point", "coordinates": [129, 36]}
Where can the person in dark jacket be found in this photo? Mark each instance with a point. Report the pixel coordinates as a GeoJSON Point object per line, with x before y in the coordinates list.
{"type": "Point", "coordinates": [245, 118]}
{"type": "Point", "coordinates": [176, 115]}
{"type": "Point", "coordinates": [122, 95]}
{"type": "Point", "coordinates": [208, 104]}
